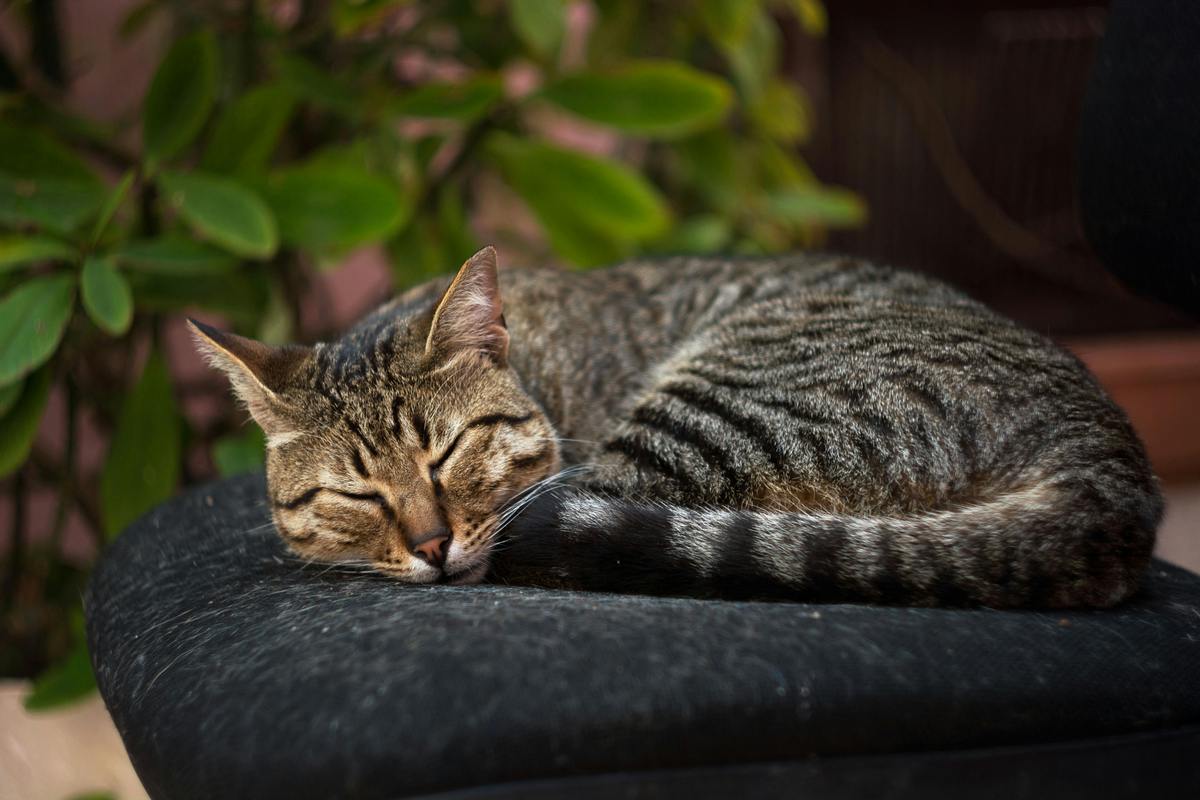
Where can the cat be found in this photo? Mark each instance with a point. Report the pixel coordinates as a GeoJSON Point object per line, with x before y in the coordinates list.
{"type": "Point", "coordinates": [801, 426]}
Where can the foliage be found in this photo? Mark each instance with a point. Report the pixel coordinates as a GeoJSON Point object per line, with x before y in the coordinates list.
{"type": "Point", "coordinates": [274, 138]}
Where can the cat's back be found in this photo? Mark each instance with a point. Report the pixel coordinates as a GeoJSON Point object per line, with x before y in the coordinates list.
{"type": "Point", "coordinates": [661, 301]}
{"type": "Point", "coordinates": [665, 279]}
{"type": "Point", "coordinates": [681, 289]}
{"type": "Point", "coordinates": [691, 278]}
{"type": "Point", "coordinates": [848, 335]}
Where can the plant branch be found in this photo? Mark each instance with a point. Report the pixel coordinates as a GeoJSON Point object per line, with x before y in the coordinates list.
{"type": "Point", "coordinates": [148, 204]}
{"type": "Point", "coordinates": [471, 142]}
{"type": "Point", "coordinates": [70, 489]}
{"type": "Point", "coordinates": [46, 41]}
{"type": "Point", "coordinates": [91, 143]}
{"type": "Point", "coordinates": [68, 460]}
{"type": "Point", "coordinates": [249, 42]}
{"type": "Point", "coordinates": [9, 80]}
{"type": "Point", "coordinates": [16, 553]}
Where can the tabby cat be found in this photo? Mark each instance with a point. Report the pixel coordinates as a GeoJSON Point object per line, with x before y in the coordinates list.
{"type": "Point", "coordinates": [801, 426]}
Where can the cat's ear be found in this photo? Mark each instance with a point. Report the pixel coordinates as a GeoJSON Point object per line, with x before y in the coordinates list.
{"type": "Point", "coordinates": [469, 317]}
{"type": "Point", "coordinates": [257, 371]}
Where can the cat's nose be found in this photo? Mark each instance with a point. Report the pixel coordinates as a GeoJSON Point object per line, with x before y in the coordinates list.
{"type": "Point", "coordinates": [431, 546]}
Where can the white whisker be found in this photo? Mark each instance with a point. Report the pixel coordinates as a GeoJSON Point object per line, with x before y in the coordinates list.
{"type": "Point", "coordinates": [532, 493]}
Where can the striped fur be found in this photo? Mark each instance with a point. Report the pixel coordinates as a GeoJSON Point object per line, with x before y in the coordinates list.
{"type": "Point", "coordinates": [802, 426]}
{"type": "Point", "coordinates": [1036, 547]}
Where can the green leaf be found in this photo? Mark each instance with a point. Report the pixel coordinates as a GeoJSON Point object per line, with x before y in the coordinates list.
{"type": "Point", "coordinates": [174, 255]}
{"type": "Point", "coordinates": [700, 234]}
{"type": "Point", "coordinates": [247, 133]}
{"type": "Point", "coordinates": [138, 17]}
{"type": "Point", "coordinates": [8, 396]}
{"type": "Point", "coordinates": [754, 59]}
{"type": "Point", "coordinates": [416, 254]}
{"type": "Point", "coordinates": [433, 243]}
{"type": "Point", "coordinates": [19, 426]}
{"type": "Point", "coordinates": [651, 98]}
{"type": "Point", "coordinates": [18, 250]}
{"type": "Point", "coordinates": [180, 96]}
{"type": "Point", "coordinates": [424, 150]}
{"type": "Point", "coordinates": [223, 210]}
{"type": "Point", "coordinates": [106, 296]}
{"type": "Point", "coordinates": [596, 193]}
{"type": "Point", "coordinates": [43, 182]}
{"type": "Point", "coordinates": [333, 207]}
{"type": "Point", "coordinates": [234, 455]}
{"type": "Point", "coordinates": [31, 153]}
{"type": "Point", "coordinates": [276, 325]}
{"type": "Point", "coordinates": [142, 468]}
{"type": "Point", "coordinates": [728, 22]}
{"type": "Point", "coordinates": [64, 683]}
{"type": "Point", "coordinates": [59, 204]}
{"type": "Point", "coordinates": [460, 101]}
{"type": "Point", "coordinates": [459, 241]}
{"type": "Point", "coordinates": [578, 244]}
{"type": "Point", "coordinates": [812, 16]}
{"type": "Point", "coordinates": [354, 155]}
{"type": "Point", "coordinates": [316, 86]}
{"type": "Point", "coordinates": [831, 207]}
{"type": "Point", "coordinates": [351, 16]}
{"type": "Point", "coordinates": [622, 27]}
{"type": "Point", "coordinates": [539, 23]}
{"type": "Point", "coordinates": [782, 112]}
{"type": "Point", "coordinates": [111, 204]}
{"type": "Point", "coordinates": [79, 129]}
{"type": "Point", "coordinates": [710, 162]}
{"type": "Point", "coordinates": [32, 319]}
{"type": "Point", "coordinates": [239, 294]}
{"type": "Point", "coordinates": [776, 167]}
{"type": "Point", "coordinates": [93, 796]}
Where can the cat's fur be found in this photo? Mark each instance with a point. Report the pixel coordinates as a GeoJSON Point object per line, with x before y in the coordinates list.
{"type": "Point", "coordinates": [803, 426]}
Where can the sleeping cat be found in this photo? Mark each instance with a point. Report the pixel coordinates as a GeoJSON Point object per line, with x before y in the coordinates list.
{"type": "Point", "coordinates": [801, 426]}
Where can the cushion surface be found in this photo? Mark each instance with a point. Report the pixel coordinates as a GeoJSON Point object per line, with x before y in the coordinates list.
{"type": "Point", "coordinates": [233, 669]}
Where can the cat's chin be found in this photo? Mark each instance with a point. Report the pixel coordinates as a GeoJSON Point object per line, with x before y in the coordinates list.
{"type": "Point", "coordinates": [469, 576]}
{"type": "Point", "coordinates": [424, 576]}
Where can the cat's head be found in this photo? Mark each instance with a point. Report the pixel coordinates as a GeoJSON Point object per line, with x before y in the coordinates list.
{"type": "Point", "coordinates": [401, 443]}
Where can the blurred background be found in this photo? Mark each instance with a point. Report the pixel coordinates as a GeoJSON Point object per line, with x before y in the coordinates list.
{"type": "Point", "coordinates": [279, 168]}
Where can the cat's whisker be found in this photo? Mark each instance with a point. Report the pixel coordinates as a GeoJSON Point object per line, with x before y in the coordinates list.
{"type": "Point", "coordinates": [555, 479]}
{"type": "Point", "coordinates": [526, 495]}
{"type": "Point", "coordinates": [514, 510]}
{"type": "Point", "coordinates": [557, 476]}
{"type": "Point", "coordinates": [564, 439]}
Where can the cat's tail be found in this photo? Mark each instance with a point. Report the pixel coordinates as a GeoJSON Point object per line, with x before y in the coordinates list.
{"type": "Point", "coordinates": [1047, 545]}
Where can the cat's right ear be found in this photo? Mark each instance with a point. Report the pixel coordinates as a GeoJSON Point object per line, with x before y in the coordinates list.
{"type": "Point", "coordinates": [257, 371]}
{"type": "Point", "coordinates": [470, 316]}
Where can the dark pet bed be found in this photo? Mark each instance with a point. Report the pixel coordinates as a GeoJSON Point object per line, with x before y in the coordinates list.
{"type": "Point", "coordinates": [233, 670]}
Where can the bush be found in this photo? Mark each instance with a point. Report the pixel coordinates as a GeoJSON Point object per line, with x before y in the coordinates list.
{"type": "Point", "coordinates": [275, 138]}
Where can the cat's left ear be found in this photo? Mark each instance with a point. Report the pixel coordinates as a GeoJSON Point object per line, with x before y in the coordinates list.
{"type": "Point", "coordinates": [259, 374]}
{"type": "Point", "coordinates": [469, 317]}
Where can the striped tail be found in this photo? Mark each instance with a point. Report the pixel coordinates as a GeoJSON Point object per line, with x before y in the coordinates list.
{"type": "Point", "coordinates": [1043, 546]}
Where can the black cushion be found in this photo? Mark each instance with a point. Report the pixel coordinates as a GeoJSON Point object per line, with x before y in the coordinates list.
{"type": "Point", "coordinates": [232, 669]}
